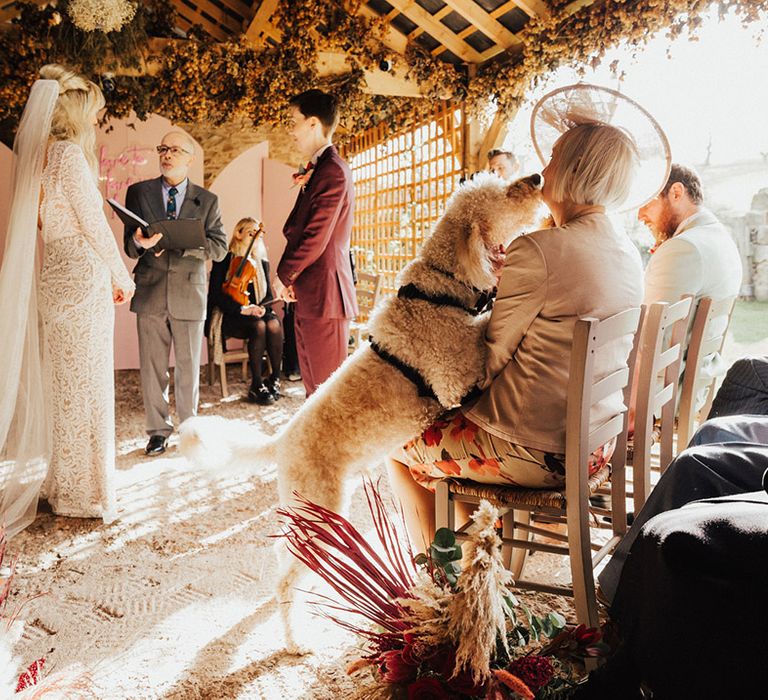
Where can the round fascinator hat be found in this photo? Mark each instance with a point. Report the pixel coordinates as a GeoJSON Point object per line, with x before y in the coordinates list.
{"type": "Point", "coordinates": [567, 107]}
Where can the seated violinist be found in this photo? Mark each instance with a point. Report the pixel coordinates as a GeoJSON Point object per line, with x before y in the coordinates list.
{"type": "Point", "coordinates": [240, 289]}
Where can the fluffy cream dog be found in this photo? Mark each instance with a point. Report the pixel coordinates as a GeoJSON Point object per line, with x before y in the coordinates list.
{"type": "Point", "coordinates": [427, 351]}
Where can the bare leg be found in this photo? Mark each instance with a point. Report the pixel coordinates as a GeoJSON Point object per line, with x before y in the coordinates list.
{"type": "Point", "coordinates": [418, 505]}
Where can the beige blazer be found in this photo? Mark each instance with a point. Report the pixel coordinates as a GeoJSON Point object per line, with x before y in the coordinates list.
{"type": "Point", "coordinates": [551, 278]}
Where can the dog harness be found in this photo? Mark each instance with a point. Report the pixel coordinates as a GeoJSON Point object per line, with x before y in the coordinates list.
{"type": "Point", "coordinates": [411, 291]}
{"type": "Point", "coordinates": [410, 373]}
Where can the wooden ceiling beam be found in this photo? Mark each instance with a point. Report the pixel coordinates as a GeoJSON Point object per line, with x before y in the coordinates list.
{"type": "Point", "coordinates": [481, 20]}
{"type": "Point", "coordinates": [436, 29]}
{"type": "Point", "coordinates": [220, 16]}
{"type": "Point", "coordinates": [193, 18]}
{"type": "Point", "coordinates": [393, 39]}
{"type": "Point", "coordinates": [532, 8]}
{"type": "Point", "coordinates": [260, 24]}
{"type": "Point", "coordinates": [243, 9]}
{"type": "Point", "coordinates": [576, 5]}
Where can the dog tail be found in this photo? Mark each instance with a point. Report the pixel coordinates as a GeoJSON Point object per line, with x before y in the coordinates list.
{"type": "Point", "coordinates": [218, 444]}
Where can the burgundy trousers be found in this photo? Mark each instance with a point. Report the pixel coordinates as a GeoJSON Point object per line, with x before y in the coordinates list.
{"type": "Point", "coordinates": [321, 344]}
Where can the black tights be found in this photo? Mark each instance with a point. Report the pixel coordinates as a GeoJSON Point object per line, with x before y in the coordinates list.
{"type": "Point", "coordinates": [260, 335]}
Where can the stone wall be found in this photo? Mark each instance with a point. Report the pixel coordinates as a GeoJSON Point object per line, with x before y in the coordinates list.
{"type": "Point", "coordinates": [222, 144]}
{"type": "Point", "coordinates": [756, 222]}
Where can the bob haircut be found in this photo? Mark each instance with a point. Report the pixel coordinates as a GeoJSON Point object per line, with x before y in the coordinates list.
{"type": "Point", "coordinates": [79, 102]}
{"type": "Point", "coordinates": [595, 164]}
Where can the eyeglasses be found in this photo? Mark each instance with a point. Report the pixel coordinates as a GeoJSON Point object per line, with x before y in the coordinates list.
{"type": "Point", "coordinates": [174, 150]}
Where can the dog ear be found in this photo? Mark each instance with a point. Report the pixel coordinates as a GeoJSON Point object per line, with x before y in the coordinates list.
{"type": "Point", "coordinates": [472, 258]}
{"type": "Point", "coordinates": [531, 182]}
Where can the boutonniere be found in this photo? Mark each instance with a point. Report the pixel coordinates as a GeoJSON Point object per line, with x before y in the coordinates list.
{"type": "Point", "coordinates": [301, 178]}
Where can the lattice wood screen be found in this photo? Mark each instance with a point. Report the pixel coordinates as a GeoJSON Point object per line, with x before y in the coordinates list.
{"type": "Point", "coordinates": [402, 181]}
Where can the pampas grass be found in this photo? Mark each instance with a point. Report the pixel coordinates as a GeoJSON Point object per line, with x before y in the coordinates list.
{"type": "Point", "coordinates": [477, 612]}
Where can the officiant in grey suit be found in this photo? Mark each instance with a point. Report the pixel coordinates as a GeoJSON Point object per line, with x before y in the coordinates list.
{"type": "Point", "coordinates": [170, 299]}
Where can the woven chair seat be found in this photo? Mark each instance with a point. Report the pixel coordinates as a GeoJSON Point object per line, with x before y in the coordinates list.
{"type": "Point", "coordinates": [511, 496]}
{"type": "Point", "coordinates": [655, 438]}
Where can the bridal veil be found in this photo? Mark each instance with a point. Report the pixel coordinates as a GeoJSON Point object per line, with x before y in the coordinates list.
{"type": "Point", "coordinates": [24, 422]}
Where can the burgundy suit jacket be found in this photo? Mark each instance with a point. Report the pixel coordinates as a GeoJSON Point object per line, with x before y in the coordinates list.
{"type": "Point", "coordinates": [318, 229]}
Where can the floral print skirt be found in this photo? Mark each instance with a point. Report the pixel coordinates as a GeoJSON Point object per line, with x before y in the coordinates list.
{"type": "Point", "coordinates": [455, 447]}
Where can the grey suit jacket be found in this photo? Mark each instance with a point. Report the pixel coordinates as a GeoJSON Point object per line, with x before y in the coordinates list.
{"type": "Point", "coordinates": [175, 281]}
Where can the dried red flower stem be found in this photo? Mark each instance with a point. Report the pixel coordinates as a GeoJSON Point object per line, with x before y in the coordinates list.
{"type": "Point", "coordinates": [331, 546]}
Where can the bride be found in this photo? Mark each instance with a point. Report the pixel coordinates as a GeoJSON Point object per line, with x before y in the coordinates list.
{"type": "Point", "coordinates": [57, 325]}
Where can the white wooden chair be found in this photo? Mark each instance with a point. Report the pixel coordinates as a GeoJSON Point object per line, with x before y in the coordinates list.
{"type": "Point", "coordinates": [662, 336]}
{"type": "Point", "coordinates": [367, 292]}
{"type": "Point", "coordinates": [710, 325]}
{"type": "Point", "coordinates": [225, 356]}
{"type": "Point", "coordinates": [570, 504]}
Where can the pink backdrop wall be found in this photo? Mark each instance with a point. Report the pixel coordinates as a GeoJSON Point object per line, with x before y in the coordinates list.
{"type": "Point", "coordinates": [279, 192]}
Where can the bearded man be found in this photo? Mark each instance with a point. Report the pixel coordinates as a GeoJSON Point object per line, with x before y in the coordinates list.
{"type": "Point", "coordinates": [696, 254]}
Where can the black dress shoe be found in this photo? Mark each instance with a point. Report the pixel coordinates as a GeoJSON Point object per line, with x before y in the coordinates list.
{"type": "Point", "coordinates": [156, 445]}
{"type": "Point", "coordinates": [260, 395]}
{"type": "Point", "coordinates": [273, 387]}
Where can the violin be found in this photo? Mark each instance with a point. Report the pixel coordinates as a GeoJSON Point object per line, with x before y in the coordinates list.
{"type": "Point", "coordinates": [241, 273]}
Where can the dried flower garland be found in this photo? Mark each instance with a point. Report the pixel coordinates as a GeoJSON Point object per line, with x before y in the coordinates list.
{"type": "Point", "coordinates": [101, 15]}
{"type": "Point", "coordinates": [200, 79]}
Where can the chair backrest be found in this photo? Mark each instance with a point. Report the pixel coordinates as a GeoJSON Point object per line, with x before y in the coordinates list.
{"type": "Point", "coordinates": [584, 391]}
{"type": "Point", "coordinates": [662, 338]}
{"type": "Point", "coordinates": [710, 325]}
{"type": "Point", "coordinates": [367, 292]}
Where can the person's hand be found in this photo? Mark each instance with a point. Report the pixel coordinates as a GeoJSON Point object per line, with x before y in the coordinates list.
{"type": "Point", "coordinates": [143, 242]}
{"type": "Point", "coordinates": [253, 310]}
{"type": "Point", "coordinates": [120, 296]}
{"type": "Point", "coordinates": [282, 292]}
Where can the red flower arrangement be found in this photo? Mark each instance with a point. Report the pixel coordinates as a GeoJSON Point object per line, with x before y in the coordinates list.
{"type": "Point", "coordinates": [30, 684]}
{"type": "Point", "coordinates": [432, 630]}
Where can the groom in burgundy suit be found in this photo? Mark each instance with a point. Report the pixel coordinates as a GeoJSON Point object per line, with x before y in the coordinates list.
{"type": "Point", "coordinates": [315, 269]}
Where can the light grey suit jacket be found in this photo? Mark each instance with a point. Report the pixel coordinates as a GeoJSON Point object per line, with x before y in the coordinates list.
{"type": "Point", "coordinates": [175, 281]}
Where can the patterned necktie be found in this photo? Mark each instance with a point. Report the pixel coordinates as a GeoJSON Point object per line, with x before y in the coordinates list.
{"type": "Point", "coordinates": [170, 209]}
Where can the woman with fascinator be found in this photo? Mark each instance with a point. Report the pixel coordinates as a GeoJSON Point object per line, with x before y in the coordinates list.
{"type": "Point", "coordinates": [57, 422]}
{"type": "Point", "coordinates": [514, 433]}
{"type": "Point", "coordinates": [254, 322]}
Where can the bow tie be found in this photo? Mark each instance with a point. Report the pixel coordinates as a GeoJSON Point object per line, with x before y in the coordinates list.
{"type": "Point", "coordinates": [309, 166]}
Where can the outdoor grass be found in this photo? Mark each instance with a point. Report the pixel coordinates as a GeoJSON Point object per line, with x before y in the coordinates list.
{"type": "Point", "coordinates": [749, 323]}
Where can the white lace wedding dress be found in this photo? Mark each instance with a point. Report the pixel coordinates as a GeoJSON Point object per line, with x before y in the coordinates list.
{"type": "Point", "coordinates": [75, 297]}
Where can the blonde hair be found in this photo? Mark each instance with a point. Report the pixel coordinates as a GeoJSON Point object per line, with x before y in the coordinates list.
{"type": "Point", "coordinates": [259, 250]}
{"type": "Point", "coordinates": [595, 164]}
{"type": "Point", "coordinates": [79, 100]}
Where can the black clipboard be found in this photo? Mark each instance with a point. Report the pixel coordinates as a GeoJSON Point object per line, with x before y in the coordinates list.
{"type": "Point", "coordinates": [178, 234]}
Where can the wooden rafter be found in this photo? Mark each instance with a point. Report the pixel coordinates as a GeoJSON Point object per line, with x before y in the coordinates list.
{"type": "Point", "coordinates": [394, 40]}
{"type": "Point", "coordinates": [187, 18]}
{"type": "Point", "coordinates": [481, 20]}
{"type": "Point", "coordinates": [576, 5]}
{"type": "Point", "coordinates": [436, 29]}
{"type": "Point", "coordinates": [219, 15]}
{"type": "Point", "coordinates": [533, 8]}
{"type": "Point", "coordinates": [260, 23]}
{"type": "Point", "coordinates": [243, 9]}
